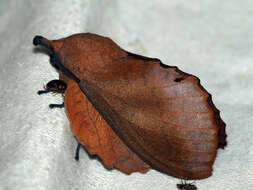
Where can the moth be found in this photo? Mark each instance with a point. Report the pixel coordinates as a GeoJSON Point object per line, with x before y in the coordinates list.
{"type": "Point", "coordinates": [162, 114]}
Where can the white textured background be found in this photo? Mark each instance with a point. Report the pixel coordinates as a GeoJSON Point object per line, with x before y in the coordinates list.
{"type": "Point", "coordinates": [211, 39]}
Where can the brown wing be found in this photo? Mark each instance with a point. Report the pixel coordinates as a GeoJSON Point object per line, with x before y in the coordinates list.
{"type": "Point", "coordinates": [94, 133]}
{"type": "Point", "coordinates": [162, 114]}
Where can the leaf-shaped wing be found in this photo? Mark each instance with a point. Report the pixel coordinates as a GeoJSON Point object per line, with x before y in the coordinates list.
{"type": "Point", "coordinates": [94, 133]}
{"type": "Point", "coordinates": [164, 115]}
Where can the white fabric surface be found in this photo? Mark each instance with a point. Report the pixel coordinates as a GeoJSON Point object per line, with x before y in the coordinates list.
{"type": "Point", "coordinates": [211, 39]}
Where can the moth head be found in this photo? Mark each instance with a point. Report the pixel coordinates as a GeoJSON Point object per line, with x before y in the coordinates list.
{"type": "Point", "coordinates": [56, 86]}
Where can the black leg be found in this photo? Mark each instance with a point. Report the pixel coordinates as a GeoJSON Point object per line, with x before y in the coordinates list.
{"type": "Point", "coordinates": [42, 92]}
{"type": "Point", "coordinates": [56, 105]}
{"type": "Point", "coordinates": [77, 151]}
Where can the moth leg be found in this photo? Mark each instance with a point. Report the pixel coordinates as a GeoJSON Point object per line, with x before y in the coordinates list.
{"type": "Point", "coordinates": [42, 92]}
{"type": "Point", "coordinates": [51, 106]}
{"type": "Point", "coordinates": [77, 151]}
